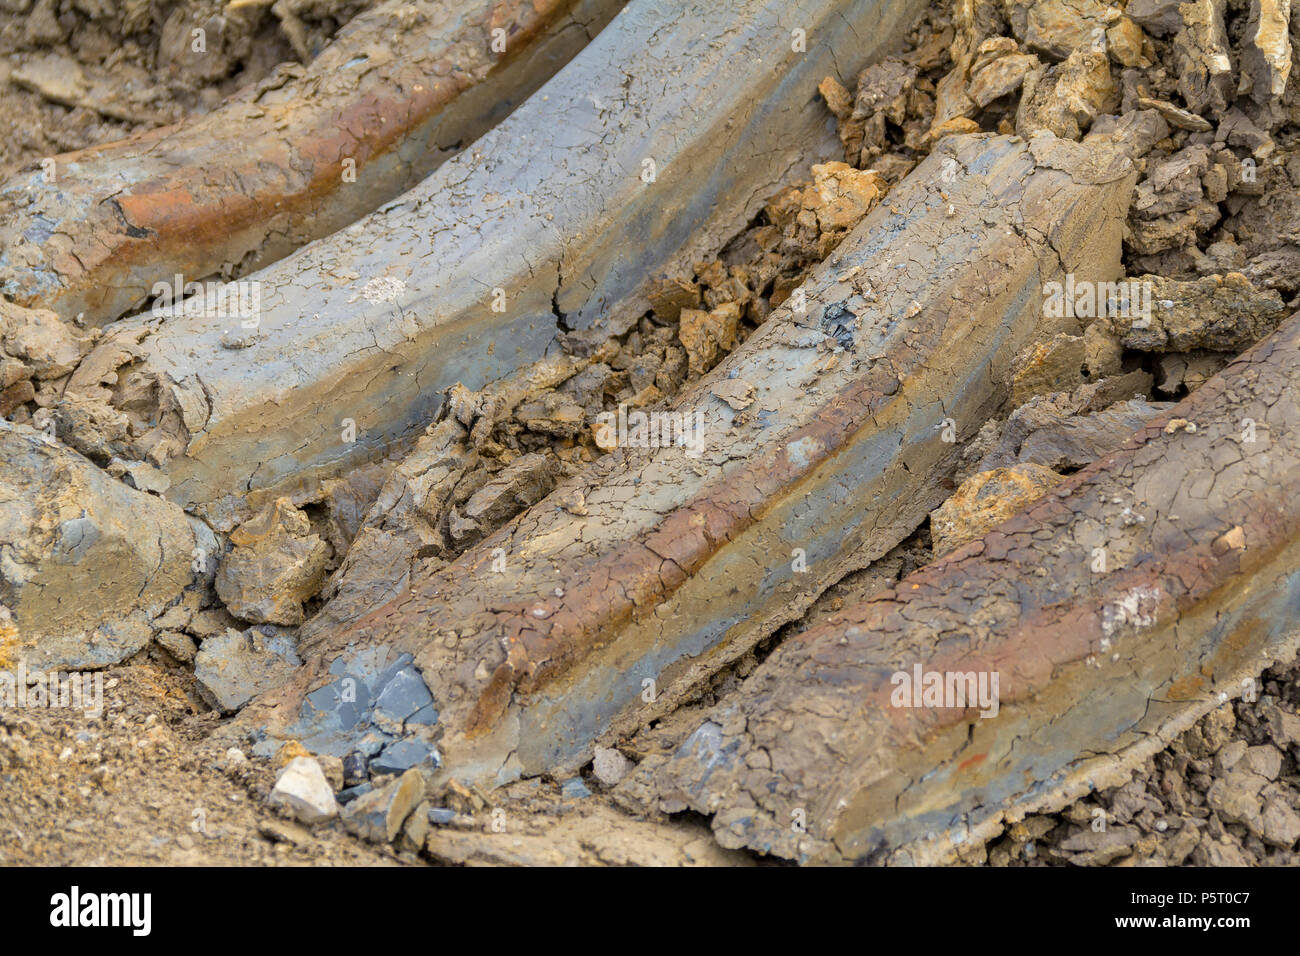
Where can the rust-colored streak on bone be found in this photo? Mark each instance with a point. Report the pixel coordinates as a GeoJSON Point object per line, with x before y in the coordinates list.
{"type": "Point", "coordinates": [540, 202]}
{"type": "Point", "coordinates": [1046, 636]}
{"type": "Point", "coordinates": [621, 585]}
{"type": "Point", "coordinates": [282, 177]}
{"type": "Point", "coordinates": [659, 562]}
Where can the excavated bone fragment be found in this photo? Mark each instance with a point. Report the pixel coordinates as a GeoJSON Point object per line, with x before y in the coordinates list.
{"type": "Point", "coordinates": [711, 526]}
{"type": "Point", "coordinates": [402, 86]}
{"type": "Point", "coordinates": [1039, 663]}
{"type": "Point", "coordinates": [85, 561]}
{"type": "Point", "coordinates": [646, 153]}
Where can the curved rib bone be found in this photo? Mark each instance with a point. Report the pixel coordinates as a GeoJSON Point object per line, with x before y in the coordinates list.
{"type": "Point", "coordinates": [1115, 612]}
{"type": "Point", "coordinates": [561, 629]}
{"type": "Point", "coordinates": [298, 157]}
{"type": "Point", "coordinates": [653, 146]}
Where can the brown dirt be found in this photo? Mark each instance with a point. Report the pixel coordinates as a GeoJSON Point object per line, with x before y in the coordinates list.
{"type": "Point", "coordinates": [136, 786]}
{"type": "Point", "coordinates": [149, 783]}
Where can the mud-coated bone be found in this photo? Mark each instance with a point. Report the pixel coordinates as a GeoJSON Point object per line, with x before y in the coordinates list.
{"type": "Point", "coordinates": [650, 149]}
{"type": "Point", "coordinates": [399, 90]}
{"type": "Point", "coordinates": [538, 642]}
{"type": "Point", "coordinates": [1115, 612]}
